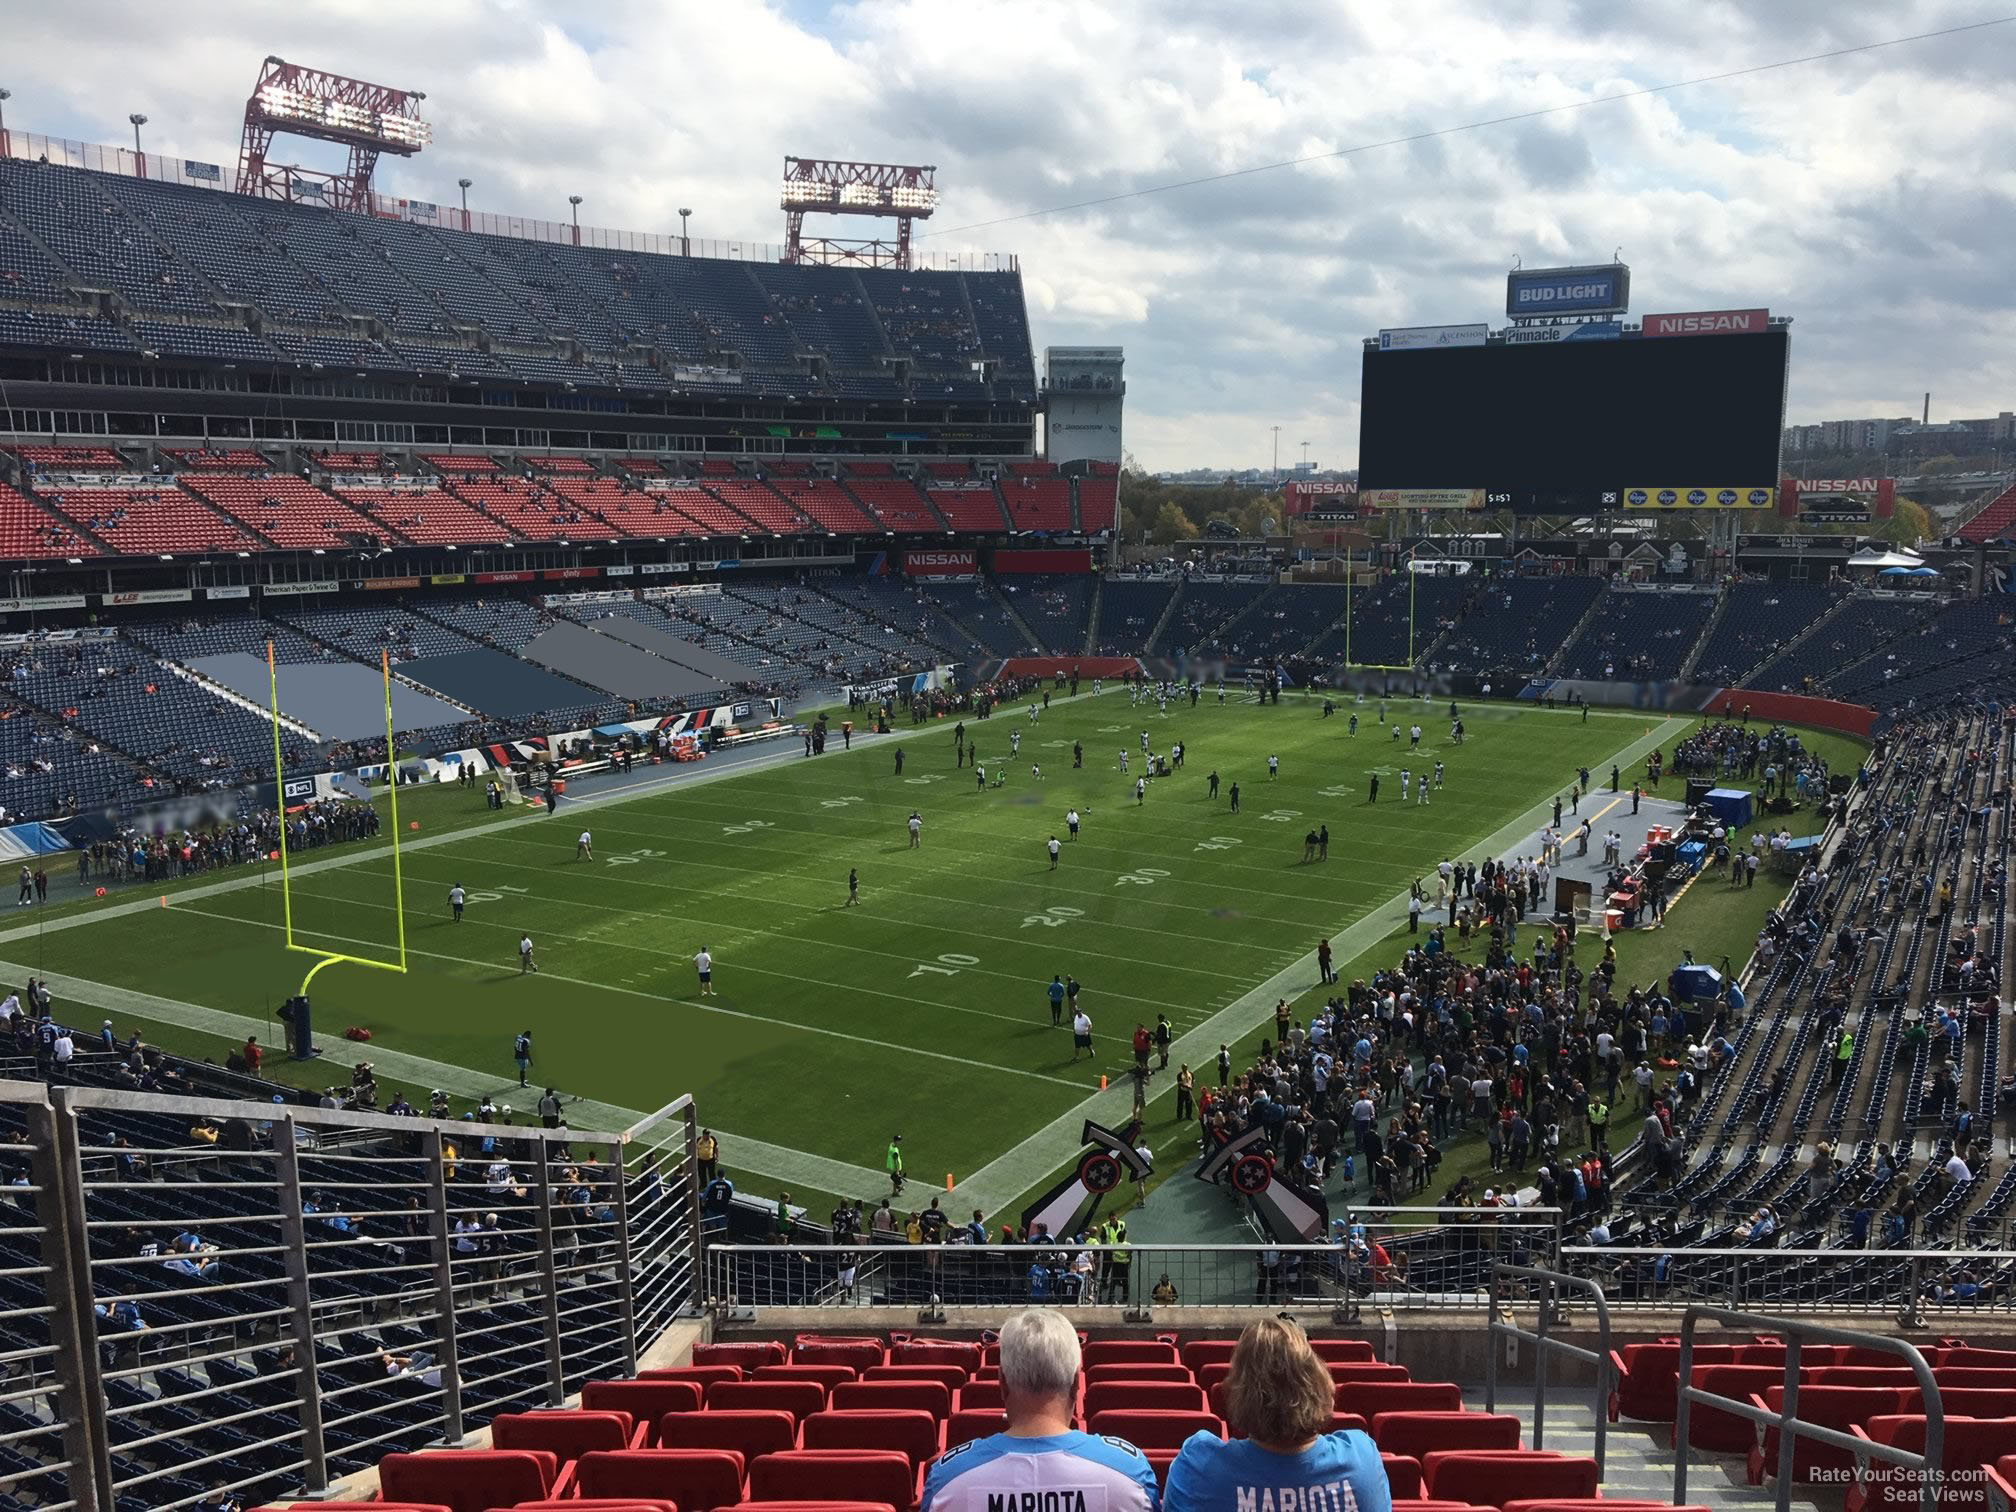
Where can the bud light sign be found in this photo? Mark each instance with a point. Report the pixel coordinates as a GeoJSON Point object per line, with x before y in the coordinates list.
{"type": "Point", "coordinates": [1536, 293]}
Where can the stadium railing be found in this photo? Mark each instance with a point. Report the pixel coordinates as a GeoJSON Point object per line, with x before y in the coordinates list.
{"type": "Point", "coordinates": [1435, 1258]}
{"type": "Point", "coordinates": [317, 1288]}
{"type": "Point", "coordinates": [1908, 1285]}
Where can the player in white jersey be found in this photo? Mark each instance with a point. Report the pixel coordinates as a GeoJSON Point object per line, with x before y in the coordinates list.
{"type": "Point", "coordinates": [916, 830]}
{"type": "Point", "coordinates": [584, 848]}
{"type": "Point", "coordinates": [1014, 742]}
{"type": "Point", "coordinates": [1041, 1464]}
{"type": "Point", "coordinates": [1144, 740]}
{"type": "Point", "coordinates": [1406, 777]}
{"type": "Point", "coordinates": [1438, 774]}
{"type": "Point", "coordinates": [1140, 788]}
{"type": "Point", "coordinates": [1123, 758]}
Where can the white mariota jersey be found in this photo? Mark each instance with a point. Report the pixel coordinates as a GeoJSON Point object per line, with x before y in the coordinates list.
{"type": "Point", "coordinates": [1068, 1472]}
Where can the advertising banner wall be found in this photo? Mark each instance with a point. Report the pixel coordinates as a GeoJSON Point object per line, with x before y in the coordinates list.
{"type": "Point", "coordinates": [1060, 559]}
{"type": "Point", "coordinates": [1707, 323]}
{"type": "Point", "coordinates": [1431, 338]}
{"type": "Point", "coordinates": [1425, 498]}
{"type": "Point", "coordinates": [1602, 290]}
{"type": "Point", "coordinates": [1700, 496]}
{"type": "Point", "coordinates": [940, 563]}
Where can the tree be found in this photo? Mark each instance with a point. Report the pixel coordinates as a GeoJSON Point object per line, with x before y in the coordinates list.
{"type": "Point", "coordinates": [1172, 525]}
{"type": "Point", "coordinates": [1911, 524]}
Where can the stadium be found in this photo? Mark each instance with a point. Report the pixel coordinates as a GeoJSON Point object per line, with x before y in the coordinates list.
{"type": "Point", "coordinates": [893, 971]}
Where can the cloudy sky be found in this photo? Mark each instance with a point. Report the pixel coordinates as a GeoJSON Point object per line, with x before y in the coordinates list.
{"type": "Point", "coordinates": [1872, 198]}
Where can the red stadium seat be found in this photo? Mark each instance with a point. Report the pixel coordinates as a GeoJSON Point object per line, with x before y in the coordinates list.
{"type": "Point", "coordinates": [747, 1355]}
{"type": "Point", "coordinates": [1492, 1477]}
{"type": "Point", "coordinates": [1594, 1504]}
{"type": "Point", "coordinates": [1159, 1460]}
{"type": "Point", "coordinates": [2001, 1479]}
{"type": "Point", "coordinates": [747, 1433]}
{"type": "Point", "coordinates": [969, 1423]}
{"type": "Point", "coordinates": [1974, 1376]}
{"type": "Point", "coordinates": [909, 1432]}
{"type": "Point", "coordinates": [951, 1377]}
{"type": "Point", "coordinates": [824, 1349]}
{"type": "Point", "coordinates": [799, 1398]}
{"type": "Point", "coordinates": [1711, 1427]}
{"type": "Point", "coordinates": [1369, 1398]}
{"type": "Point", "coordinates": [1416, 1433]}
{"type": "Point", "coordinates": [813, 1506]}
{"type": "Point", "coordinates": [1128, 1371]}
{"type": "Point", "coordinates": [936, 1352]}
{"type": "Point", "coordinates": [1858, 1375]}
{"type": "Point", "coordinates": [1965, 1354]}
{"type": "Point", "coordinates": [827, 1375]}
{"type": "Point", "coordinates": [1839, 1407]}
{"type": "Point", "coordinates": [701, 1375]}
{"type": "Point", "coordinates": [323, 1506]}
{"type": "Point", "coordinates": [697, 1480]}
{"type": "Point", "coordinates": [1153, 1428]}
{"type": "Point", "coordinates": [568, 1434]}
{"type": "Point", "coordinates": [894, 1396]}
{"type": "Point", "coordinates": [469, 1480]}
{"type": "Point", "coordinates": [1142, 1396]}
{"type": "Point", "coordinates": [1201, 1352]}
{"type": "Point", "coordinates": [574, 1504]}
{"type": "Point", "coordinates": [1417, 1504]}
{"type": "Point", "coordinates": [1648, 1377]}
{"type": "Point", "coordinates": [645, 1401]}
{"type": "Point", "coordinates": [1339, 1421]}
{"type": "Point", "coordinates": [1129, 1352]}
{"type": "Point", "coordinates": [1970, 1443]}
{"type": "Point", "coordinates": [852, 1474]}
{"type": "Point", "coordinates": [1337, 1351]}
{"type": "Point", "coordinates": [1403, 1474]}
{"type": "Point", "coordinates": [979, 1394]}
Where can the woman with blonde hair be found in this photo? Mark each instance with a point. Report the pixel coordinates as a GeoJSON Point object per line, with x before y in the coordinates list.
{"type": "Point", "coordinates": [1280, 1395]}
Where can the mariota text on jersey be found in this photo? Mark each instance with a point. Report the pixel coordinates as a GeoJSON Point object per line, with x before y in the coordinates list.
{"type": "Point", "coordinates": [1069, 1500]}
{"type": "Point", "coordinates": [1330, 1496]}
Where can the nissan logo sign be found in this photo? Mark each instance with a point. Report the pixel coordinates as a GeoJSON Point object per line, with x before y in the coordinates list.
{"type": "Point", "coordinates": [1726, 497]}
{"type": "Point", "coordinates": [1667, 496]}
{"type": "Point", "coordinates": [1635, 497]}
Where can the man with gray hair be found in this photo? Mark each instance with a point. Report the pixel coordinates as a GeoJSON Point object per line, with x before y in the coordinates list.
{"type": "Point", "coordinates": [1039, 1457]}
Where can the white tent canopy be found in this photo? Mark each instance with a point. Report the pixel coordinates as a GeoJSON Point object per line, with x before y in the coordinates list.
{"type": "Point", "coordinates": [1870, 556]}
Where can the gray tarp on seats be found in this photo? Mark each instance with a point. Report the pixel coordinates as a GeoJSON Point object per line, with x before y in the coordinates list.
{"type": "Point", "coordinates": [609, 663]}
{"type": "Point", "coordinates": [672, 648]}
{"type": "Point", "coordinates": [497, 683]}
{"type": "Point", "coordinates": [342, 700]}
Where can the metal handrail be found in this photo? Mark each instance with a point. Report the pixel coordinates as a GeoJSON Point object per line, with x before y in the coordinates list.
{"type": "Point", "coordinates": [1786, 1420]}
{"type": "Point", "coordinates": [1501, 1326]}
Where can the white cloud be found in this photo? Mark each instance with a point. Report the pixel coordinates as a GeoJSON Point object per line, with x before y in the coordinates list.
{"type": "Point", "coordinates": [1871, 197]}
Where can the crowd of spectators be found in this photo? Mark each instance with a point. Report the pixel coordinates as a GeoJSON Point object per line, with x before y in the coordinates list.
{"type": "Point", "coordinates": [136, 855]}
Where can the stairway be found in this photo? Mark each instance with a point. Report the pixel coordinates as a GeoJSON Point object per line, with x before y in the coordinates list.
{"type": "Point", "coordinates": [1581, 626]}
{"type": "Point", "coordinates": [1092, 612]}
{"type": "Point", "coordinates": [1155, 631]}
{"type": "Point", "coordinates": [1701, 641]}
{"type": "Point", "coordinates": [1029, 636]}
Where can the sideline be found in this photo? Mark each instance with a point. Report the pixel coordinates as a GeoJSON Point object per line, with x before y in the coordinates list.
{"type": "Point", "coordinates": [796, 1168]}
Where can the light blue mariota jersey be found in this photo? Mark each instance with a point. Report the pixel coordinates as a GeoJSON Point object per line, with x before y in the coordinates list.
{"type": "Point", "coordinates": [1340, 1472]}
{"type": "Point", "coordinates": [1066, 1472]}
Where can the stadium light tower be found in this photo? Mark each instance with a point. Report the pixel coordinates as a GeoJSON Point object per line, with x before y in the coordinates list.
{"type": "Point", "coordinates": [685, 246]}
{"type": "Point", "coordinates": [369, 119]}
{"type": "Point", "coordinates": [574, 204]}
{"type": "Point", "coordinates": [463, 184]}
{"type": "Point", "coordinates": [833, 187]}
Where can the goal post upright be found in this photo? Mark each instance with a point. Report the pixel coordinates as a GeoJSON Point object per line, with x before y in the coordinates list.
{"type": "Point", "coordinates": [326, 958]}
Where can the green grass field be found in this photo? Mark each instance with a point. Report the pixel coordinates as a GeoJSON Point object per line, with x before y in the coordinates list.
{"type": "Point", "coordinates": [923, 1009]}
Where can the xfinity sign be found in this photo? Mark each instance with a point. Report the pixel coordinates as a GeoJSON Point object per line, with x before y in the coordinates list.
{"type": "Point", "coordinates": [1545, 293]}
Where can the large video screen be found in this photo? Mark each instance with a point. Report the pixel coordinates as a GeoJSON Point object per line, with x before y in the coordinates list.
{"type": "Point", "coordinates": [1571, 427]}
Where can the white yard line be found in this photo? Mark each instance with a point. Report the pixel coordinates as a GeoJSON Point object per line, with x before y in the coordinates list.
{"type": "Point", "coordinates": [1013, 1172]}
{"type": "Point", "coordinates": [795, 1168]}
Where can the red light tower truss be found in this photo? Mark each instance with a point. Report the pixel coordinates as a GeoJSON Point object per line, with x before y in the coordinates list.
{"type": "Point", "coordinates": [890, 190]}
{"type": "Point", "coordinates": [369, 119]}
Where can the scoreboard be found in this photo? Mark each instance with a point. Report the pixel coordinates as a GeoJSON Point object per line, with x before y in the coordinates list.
{"type": "Point", "coordinates": [1680, 422]}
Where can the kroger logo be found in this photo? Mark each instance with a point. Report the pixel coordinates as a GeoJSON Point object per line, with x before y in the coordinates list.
{"type": "Point", "coordinates": [1726, 497]}
{"type": "Point", "coordinates": [1697, 496]}
{"type": "Point", "coordinates": [1635, 497]}
{"type": "Point", "coordinates": [1759, 497]}
{"type": "Point", "coordinates": [1667, 496]}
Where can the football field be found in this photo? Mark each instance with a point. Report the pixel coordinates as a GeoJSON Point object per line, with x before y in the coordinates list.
{"type": "Point", "coordinates": [923, 1009]}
